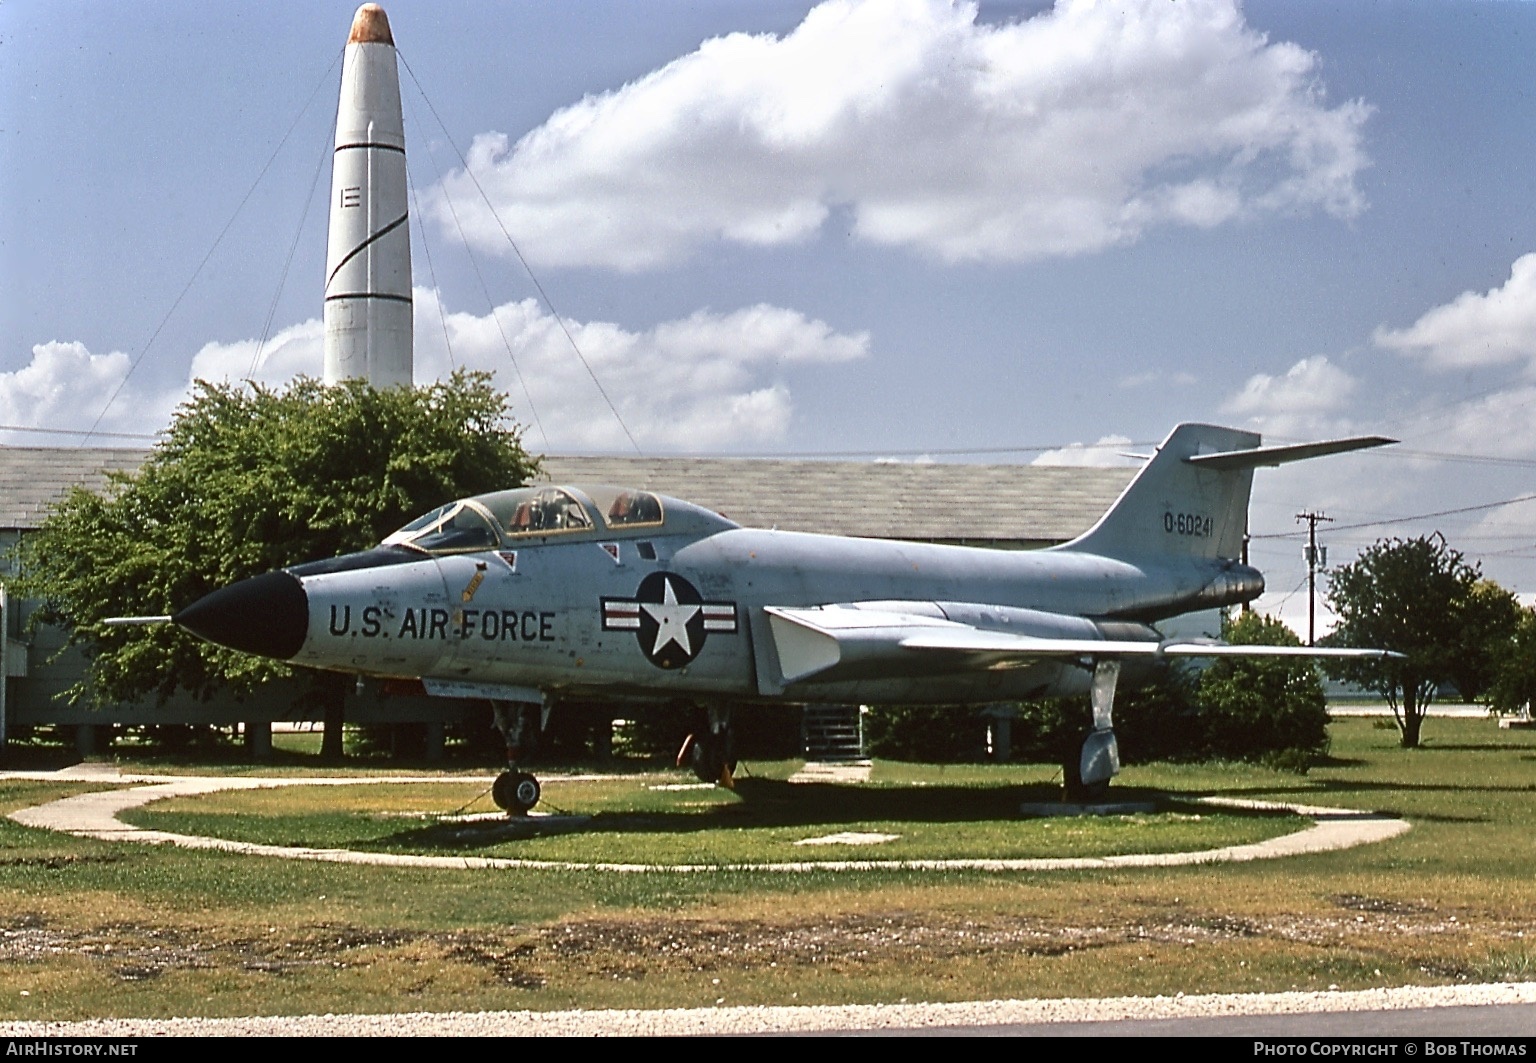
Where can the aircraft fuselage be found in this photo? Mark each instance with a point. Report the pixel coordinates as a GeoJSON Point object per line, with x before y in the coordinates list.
{"type": "Point", "coordinates": [659, 615]}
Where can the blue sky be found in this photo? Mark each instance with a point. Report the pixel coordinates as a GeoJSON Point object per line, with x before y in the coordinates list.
{"type": "Point", "coordinates": [904, 229]}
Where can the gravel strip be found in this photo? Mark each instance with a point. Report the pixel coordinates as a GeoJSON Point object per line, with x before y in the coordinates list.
{"type": "Point", "coordinates": [681, 1021]}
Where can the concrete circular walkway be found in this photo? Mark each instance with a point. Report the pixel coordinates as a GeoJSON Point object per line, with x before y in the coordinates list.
{"type": "Point", "coordinates": [95, 815]}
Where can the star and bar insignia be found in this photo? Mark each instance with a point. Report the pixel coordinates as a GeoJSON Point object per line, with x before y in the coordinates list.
{"type": "Point", "coordinates": [670, 619]}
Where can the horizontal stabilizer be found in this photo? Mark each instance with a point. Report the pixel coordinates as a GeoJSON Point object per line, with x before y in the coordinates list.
{"type": "Point", "coordinates": [1264, 457]}
{"type": "Point", "coordinates": [1191, 499]}
{"type": "Point", "coordinates": [135, 621]}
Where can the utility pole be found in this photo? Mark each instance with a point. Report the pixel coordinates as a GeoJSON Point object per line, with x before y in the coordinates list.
{"type": "Point", "coordinates": [1247, 606]}
{"type": "Point", "coordinates": [1316, 559]}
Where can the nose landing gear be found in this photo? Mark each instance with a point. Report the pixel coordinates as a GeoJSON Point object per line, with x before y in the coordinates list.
{"type": "Point", "coordinates": [514, 791]}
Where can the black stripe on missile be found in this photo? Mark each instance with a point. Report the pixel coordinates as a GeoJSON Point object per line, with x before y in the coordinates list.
{"type": "Point", "coordinates": [391, 227]}
{"type": "Point", "coordinates": [371, 295]}
{"type": "Point", "coordinates": [370, 144]}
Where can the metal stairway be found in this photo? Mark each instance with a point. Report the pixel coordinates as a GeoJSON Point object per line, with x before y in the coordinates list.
{"type": "Point", "coordinates": [833, 733]}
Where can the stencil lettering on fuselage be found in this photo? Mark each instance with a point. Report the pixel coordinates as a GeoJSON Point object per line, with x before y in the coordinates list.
{"type": "Point", "coordinates": [670, 619]}
{"type": "Point", "coordinates": [428, 624]}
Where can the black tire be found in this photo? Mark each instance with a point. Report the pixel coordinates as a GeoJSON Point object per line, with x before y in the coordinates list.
{"type": "Point", "coordinates": [707, 758]}
{"type": "Point", "coordinates": [516, 792]}
{"type": "Point", "coordinates": [1072, 769]}
{"type": "Point", "coordinates": [1074, 789]}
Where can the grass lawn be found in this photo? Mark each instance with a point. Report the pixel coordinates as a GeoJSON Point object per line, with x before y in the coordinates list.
{"type": "Point", "coordinates": [661, 819]}
{"type": "Point", "coordinates": [101, 928]}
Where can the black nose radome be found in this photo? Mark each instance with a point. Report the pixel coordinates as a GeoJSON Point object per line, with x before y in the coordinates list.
{"type": "Point", "coordinates": [266, 615]}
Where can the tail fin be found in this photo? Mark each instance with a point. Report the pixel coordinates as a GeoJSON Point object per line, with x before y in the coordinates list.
{"type": "Point", "coordinates": [1191, 499]}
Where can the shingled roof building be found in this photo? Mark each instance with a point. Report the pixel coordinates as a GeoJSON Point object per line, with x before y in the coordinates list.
{"type": "Point", "coordinates": [1003, 506]}
{"type": "Point", "coordinates": [1007, 506]}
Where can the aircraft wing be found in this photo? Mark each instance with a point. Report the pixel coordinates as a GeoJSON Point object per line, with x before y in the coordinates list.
{"type": "Point", "coordinates": [1026, 646]}
{"type": "Point", "coordinates": [855, 638]}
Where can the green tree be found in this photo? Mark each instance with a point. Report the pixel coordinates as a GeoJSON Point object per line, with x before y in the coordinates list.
{"type": "Point", "coordinates": [932, 734]}
{"type": "Point", "coordinates": [1260, 707]}
{"type": "Point", "coordinates": [249, 479]}
{"type": "Point", "coordinates": [1489, 618]}
{"type": "Point", "coordinates": [1411, 596]}
{"type": "Point", "coordinates": [1514, 685]}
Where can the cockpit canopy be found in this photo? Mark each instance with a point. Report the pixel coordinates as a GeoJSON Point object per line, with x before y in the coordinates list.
{"type": "Point", "coordinates": [504, 518]}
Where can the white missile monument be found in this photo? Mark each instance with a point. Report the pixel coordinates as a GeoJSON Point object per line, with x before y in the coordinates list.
{"type": "Point", "coordinates": [368, 254]}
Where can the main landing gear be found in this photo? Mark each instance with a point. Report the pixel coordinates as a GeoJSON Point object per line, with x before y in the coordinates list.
{"type": "Point", "coordinates": [711, 750]}
{"type": "Point", "coordinates": [1086, 771]}
{"type": "Point", "coordinates": [515, 791]}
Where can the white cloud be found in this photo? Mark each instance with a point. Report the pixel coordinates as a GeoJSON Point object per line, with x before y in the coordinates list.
{"type": "Point", "coordinates": [1108, 451]}
{"type": "Point", "coordinates": [1457, 452]}
{"type": "Point", "coordinates": [1475, 329]}
{"type": "Point", "coordinates": [1497, 424]}
{"type": "Point", "coordinates": [65, 386]}
{"type": "Point", "coordinates": [1069, 132]}
{"type": "Point", "coordinates": [298, 350]}
{"type": "Point", "coordinates": [1307, 399]}
{"type": "Point", "coordinates": [707, 380]}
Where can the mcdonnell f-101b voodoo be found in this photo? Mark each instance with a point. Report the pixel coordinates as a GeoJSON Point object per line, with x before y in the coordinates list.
{"type": "Point", "coordinates": [528, 596]}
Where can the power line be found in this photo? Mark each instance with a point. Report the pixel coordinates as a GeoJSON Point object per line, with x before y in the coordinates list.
{"type": "Point", "coordinates": [298, 234]}
{"type": "Point", "coordinates": [421, 229]}
{"type": "Point", "coordinates": [918, 452]}
{"type": "Point", "coordinates": [76, 431]}
{"type": "Point", "coordinates": [539, 287]}
{"type": "Point", "coordinates": [135, 362]}
{"type": "Point", "coordinates": [1405, 520]}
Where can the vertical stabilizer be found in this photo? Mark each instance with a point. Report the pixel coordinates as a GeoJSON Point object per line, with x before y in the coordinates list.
{"type": "Point", "coordinates": [368, 254]}
{"type": "Point", "coordinates": [1176, 507]}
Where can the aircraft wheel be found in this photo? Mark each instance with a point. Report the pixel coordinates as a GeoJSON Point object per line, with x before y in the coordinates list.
{"type": "Point", "coordinates": [707, 758]}
{"type": "Point", "coordinates": [1099, 748]}
{"type": "Point", "coordinates": [1072, 771]}
{"type": "Point", "coordinates": [1074, 790]}
{"type": "Point", "coordinates": [515, 792]}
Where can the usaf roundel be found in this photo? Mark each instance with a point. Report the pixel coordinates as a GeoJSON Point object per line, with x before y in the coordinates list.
{"type": "Point", "coordinates": [669, 618]}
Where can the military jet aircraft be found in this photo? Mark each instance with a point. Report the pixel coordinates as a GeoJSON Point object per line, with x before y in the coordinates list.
{"type": "Point", "coordinates": [528, 596]}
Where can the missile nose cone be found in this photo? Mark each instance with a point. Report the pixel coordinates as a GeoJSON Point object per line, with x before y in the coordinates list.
{"type": "Point", "coordinates": [370, 26]}
{"type": "Point", "coordinates": [266, 615]}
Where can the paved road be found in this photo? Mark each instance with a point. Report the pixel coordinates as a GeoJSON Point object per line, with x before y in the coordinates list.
{"type": "Point", "coordinates": [1480, 1023]}
{"type": "Point", "coordinates": [1486, 1013]}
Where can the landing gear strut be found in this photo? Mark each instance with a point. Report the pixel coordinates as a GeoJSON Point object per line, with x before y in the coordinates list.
{"type": "Point", "coordinates": [515, 791]}
{"type": "Point", "coordinates": [1086, 772]}
{"type": "Point", "coordinates": [711, 750]}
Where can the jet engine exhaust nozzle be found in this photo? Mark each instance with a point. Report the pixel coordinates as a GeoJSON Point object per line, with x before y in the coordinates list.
{"type": "Point", "coordinates": [266, 615]}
